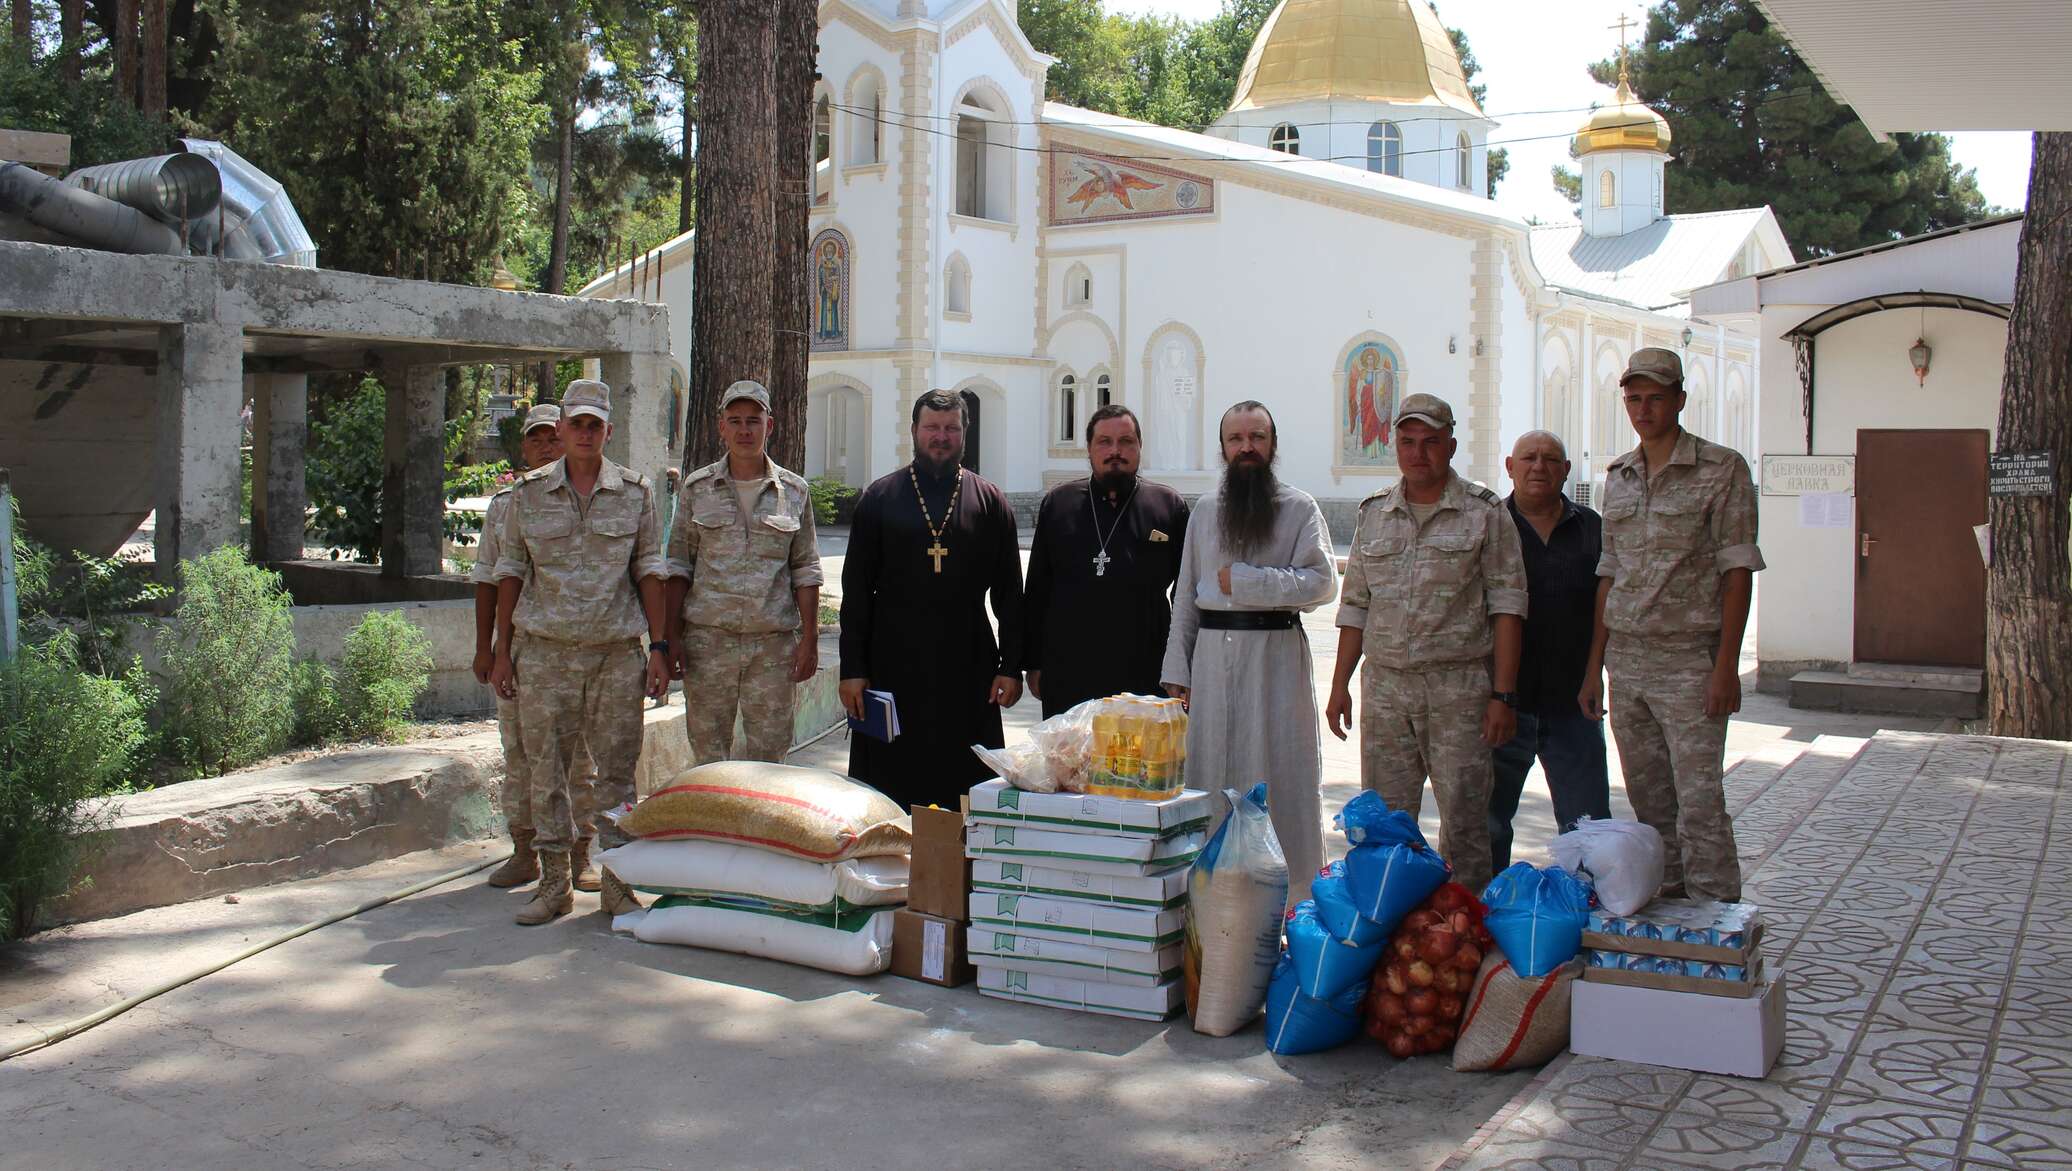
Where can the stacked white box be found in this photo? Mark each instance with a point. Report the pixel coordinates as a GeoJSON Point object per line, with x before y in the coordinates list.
{"type": "Point", "coordinates": [1079, 901]}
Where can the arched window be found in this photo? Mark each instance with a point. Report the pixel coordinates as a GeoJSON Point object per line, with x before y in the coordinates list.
{"type": "Point", "coordinates": [956, 287]}
{"type": "Point", "coordinates": [985, 165]}
{"type": "Point", "coordinates": [1103, 394]}
{"type": "Point", "coordinates": [1607, 189]}
{"type": "Point", "coordinates": [1463, 171]}
{"type": "Point", "coordinates": [867, 116]}
{"type": "Point", "coordinates": [1286, 139]}
{"type": "Point", "coordinates": [823, 149]}
{"type": "Point", "coordinates": [1079, 287]}
{"type": "Point", "coordinates": [1385, 149]}
{"type": "Point", "coordinates": [1068, 408]}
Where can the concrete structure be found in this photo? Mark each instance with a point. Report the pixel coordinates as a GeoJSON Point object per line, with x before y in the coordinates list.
{"type": "Point", "coordinates": [165, 351]}
{"type": "Point", "coordinates": [1840, 366]}
{"type": "Point", "coordinates": [1041, 260]}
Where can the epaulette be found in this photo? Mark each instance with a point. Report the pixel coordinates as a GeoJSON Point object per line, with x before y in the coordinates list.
{"type": "Point", "coordinates": [1484, 494]}
{"type": "Point", "coordinates": [705, 473]}
{"type": "Point", "coordinates": [791, 479]}
{"type": "Point", "coordinates": [1716, 453]}
{"type": "Point", "coordinates": [1375, 495]}
{"type": "Point", "coordinates": [538, 473]}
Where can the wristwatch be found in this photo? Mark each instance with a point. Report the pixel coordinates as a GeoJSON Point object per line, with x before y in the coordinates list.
{"type": "Point", "coordinates": [1510, 698]}
{"type": "Point", "coordinates": [660, 646]}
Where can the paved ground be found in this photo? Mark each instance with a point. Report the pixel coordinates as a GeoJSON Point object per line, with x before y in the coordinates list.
{"type": "Point", "coordinates": [1916, 895]}
{"type": "Point", "coordinates": [432, 1033]}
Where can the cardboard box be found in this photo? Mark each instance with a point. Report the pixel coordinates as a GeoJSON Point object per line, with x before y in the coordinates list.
{"type": "Point", "coordinates": [1018, 983]}
{"type": "Point", "coordinates": [1020, 878]}
{"type": "Point", "coordinates": [1094, 853]}
{"type": "Point", "coordinates": [1069, 921]}
{"type": "Point", "coordinates": [1697, 976]}
{"type": "Point", "coordinates": [1077, 961]}
{"type": "Point", "coordinates": [939, 875]}
{"type": "Point", "coordinates": [1682, 1030]}
{"type": "Point", "coordinates": [998, 803]}
{"type": "Point", "coordinates": [929, 949]}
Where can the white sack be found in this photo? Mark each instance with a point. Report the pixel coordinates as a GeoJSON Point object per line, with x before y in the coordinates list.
{"type": "Point", "coordinates": [1621, 860]}
{"type": "Point", "coordinates": [703, 869]}
{"type": "Point", "coordinates": [860, 952]}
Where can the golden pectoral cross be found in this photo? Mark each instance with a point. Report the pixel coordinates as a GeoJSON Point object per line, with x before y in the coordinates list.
{"type": "Point", "coordinates": [938, 552]}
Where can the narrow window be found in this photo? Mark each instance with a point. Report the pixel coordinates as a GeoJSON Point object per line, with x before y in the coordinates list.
{"type": "Point", "coordinates": [1102, 396]}
{"type": "Point", "coordinates": [1385, 149]}
{"type": "Point", "coordinates": [1068, 408]}
{"type": "Point", "coordinates": [823, 149]}
{"type": "Point", "coordinates": [971, 166]}
{"type": "Point", "coordinates": [1467, 155]}
{"type": "Point", "coordinates": [1607, 190]}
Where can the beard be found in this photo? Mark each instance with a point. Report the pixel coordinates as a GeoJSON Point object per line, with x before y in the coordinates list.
{"type": "Point", "coordinates": [1113, 482]}
{"type": "Point", "coordinates": [1247, 507]}
{"type": "Point", "coordinates": [941, 469]}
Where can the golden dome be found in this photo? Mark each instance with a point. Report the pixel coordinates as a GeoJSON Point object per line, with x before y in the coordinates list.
{"type": "Point", "coordinates": [1353, 50]}
{"type": "Point", "coordinates": [1626, 124]}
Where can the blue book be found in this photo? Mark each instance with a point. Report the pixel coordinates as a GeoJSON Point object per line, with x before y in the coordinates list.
{"type": "Point", "coordinates": [880, 717]}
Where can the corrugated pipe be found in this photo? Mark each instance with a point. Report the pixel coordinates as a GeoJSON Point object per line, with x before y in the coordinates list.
{"type": "Point", "coordinates": [259, 220]}
{"type": "Point", "coordinates": [168, 188]}
{"type": "Point", "coordinates": [81, 215]}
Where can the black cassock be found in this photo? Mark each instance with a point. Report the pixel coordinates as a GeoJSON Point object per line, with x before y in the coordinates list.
{"type": "Point", "coordinates": [1095, 633]}
{"type": "Point", "coordinates": [924, 636]}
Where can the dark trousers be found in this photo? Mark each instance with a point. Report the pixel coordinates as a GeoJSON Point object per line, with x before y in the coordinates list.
{"type": "Point", "coordinates": [1571, 746]}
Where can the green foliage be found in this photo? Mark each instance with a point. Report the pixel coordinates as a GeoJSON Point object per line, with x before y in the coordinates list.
{"type": "Point", "coordinates": [34, 96]}
{"type": "Point", "coordinates": [1154, 68]}
{"type": "Point", "coordinates": [828, 494]}
{"type": "Point", "coordinates": [95, 599]}
{"type": "Point", "coordinates": [68, 738]}
{"type": "Point", "coordinates": [319, 716]}
{"type": "Point", "coordinates": [1499, 159]}
{"type": "Point", "coordinates": [387, 665]}
{"type": "Point", "coordinates": [229, 663]}
{"type": "Point", "coordinates": [1754, 126]}
{"type": "Point", "coordinates": [344, 470]}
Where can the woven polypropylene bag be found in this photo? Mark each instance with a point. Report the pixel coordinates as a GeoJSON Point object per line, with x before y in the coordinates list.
{"type": "Point", "coordinates": [1514, 1022]}
{"type": "Point", "coordinates": [809, 813]}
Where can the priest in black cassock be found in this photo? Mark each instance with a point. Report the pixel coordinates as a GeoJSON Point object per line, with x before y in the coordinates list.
{"type": "Point", "coordinates": [927, 544]}
{"type": "Point", "coordinates": [1101, 573]}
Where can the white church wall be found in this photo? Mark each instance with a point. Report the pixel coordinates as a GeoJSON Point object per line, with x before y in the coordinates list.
{"type": "Point", "coordinates": [1000, 247]}
{"type": "Point", "coordinates": [1863, 379]}
{"type": "Point", "coordinates": [1338, 131]}
{"type": "Point", "coordinates": [865, 201]}
{"type": "Point", "coordinates": [1518, 405]}
{"type": "Point", "coordinates": [1636, 191]}
{"type": "Point", "coordinates": [1086, 347]}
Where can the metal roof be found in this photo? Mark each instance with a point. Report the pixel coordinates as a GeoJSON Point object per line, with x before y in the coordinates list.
{"type": "Point", "coordinates": [1652, 268]}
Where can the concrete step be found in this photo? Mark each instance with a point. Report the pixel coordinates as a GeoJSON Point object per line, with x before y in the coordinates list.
{"type": "Point", "coordinates": [1960, 678]}
{"type": "Point", "coordinates": [1835, 691]}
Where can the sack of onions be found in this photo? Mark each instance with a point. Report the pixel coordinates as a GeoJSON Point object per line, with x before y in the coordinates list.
{"type": "Point", "coordinates": [1415, 1001]}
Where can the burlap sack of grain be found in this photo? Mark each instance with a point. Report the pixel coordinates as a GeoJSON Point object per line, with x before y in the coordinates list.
{"type": "Point", "coordinates": [810, 813]}
{"type": "Point", "coordinates": [1514, 1021]}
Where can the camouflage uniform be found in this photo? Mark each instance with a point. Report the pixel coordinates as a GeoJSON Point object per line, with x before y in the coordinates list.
{"type": "Point", "coordinates": [1426, 596]}
{"type": "Point", "coordinates": [582, 672]}
{"type": "Point", "coordinates": [517, 792]}
{"type": "Point", "coordinates": [741, 615]}
{"type": "Point", "coordinates": [1667, 543]}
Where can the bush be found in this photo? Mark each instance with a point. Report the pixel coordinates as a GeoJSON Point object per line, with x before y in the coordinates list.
{"type": "Point", "coordinates": [229, 664]}
{"type": "Point", "coordinates": [828, 494]}
{"type": "Point", "coordinates": [387, 665]}
{"type": "Point", "coordinates": [318, 714]}
{"type": "Point", "coordinates": [67, 739]}
{"type": "Point", "coordinates": [344, 472]}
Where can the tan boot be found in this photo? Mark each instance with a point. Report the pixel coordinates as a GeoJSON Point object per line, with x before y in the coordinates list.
{"type": "Point", "coordinates": [552, 898]}
{"type": "Point", "coordinates": [615, 897]}
{"type": "Point", "coordinates": [581, 874]}
{"type": "Point", "coordinates": [523, 865]}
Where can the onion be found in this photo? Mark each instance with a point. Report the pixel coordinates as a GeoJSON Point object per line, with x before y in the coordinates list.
{"type": "Point", "coordinates": [1421, 1002]}
{"type": "Point", "coordinates": [1401, 1045]}
{"type": "Point", "coordinates": [1389, 1009]}
{"type": "Point", "coordinates": [1419, 920]}
{"type": "Point", "coordinates": [1394, 980]}
{"type": "Point", "coordinates": [1405, 947]}
{"type": "Point", "coordinates": [1420, 974]}
{"type": "Point", "coordinates": [1436, 947]}
{"type": "Point", "coordinates": [1440, 1037]}
{"type": "Point", "coordinates": [1449, 1007]}
{"type": "Point", "coordinates": [1447, 979]}
{"type": "Point", "coordinates": [1468, 958]}
{"type": "Point", "coordinates": [1417, 1026]}
{"type": "Point", "coordinates": [1450, 897]}
{"type": "Point", "coordinates": [1462, 923]}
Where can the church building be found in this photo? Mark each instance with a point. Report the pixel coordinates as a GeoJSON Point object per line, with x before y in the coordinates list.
{"type": "Point", "coordinates": [1327, 247]}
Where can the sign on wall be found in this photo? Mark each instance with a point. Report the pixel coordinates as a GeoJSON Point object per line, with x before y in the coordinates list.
{"type": "Point", "coordinates": [1809, 475]}
{"type": "Point", "coordinates": [1097, 189]}
{"type": "Point", "coordinates": [2021, 473]}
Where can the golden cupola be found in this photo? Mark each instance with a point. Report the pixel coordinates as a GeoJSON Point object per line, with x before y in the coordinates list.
{"type": "Point", "coordinates": [1625, 124]}
{"type": "Point", "coordinates": [1353, 50]}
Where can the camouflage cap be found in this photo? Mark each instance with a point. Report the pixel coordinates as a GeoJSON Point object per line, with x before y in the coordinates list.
{"type": "Point", "coordinates": [1426, 408]}
{"type": "Point", "coordinates": [543, 415]}
{"type": "Point", "coordinates": [747, 388]}
{"type": "Point", "coordinates": [587, 396]}
{"type": "Point", "coordinates": [1655, 364]}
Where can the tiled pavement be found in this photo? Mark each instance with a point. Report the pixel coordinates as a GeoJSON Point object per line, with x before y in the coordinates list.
{"type": "Point", "coordinates": [1916, 889]}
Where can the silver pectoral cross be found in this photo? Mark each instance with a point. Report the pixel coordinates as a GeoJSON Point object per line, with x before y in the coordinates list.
{"type": "Point", "coordinates": [1101, 563]}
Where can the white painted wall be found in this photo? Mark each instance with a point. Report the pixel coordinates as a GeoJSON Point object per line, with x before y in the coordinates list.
{"type": "Point", "coordinates": [1636, 191]}
{"type": "Point", "coordinates": [1001, 249]}
{"type": "Point", "coordinates": [1338, 131]}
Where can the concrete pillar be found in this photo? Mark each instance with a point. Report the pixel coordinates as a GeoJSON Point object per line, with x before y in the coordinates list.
{"type": "Point", "coordinates": [641, 410]}
{"type": "Point", "coordinates": [200, 395]}
{"type": "Point", "coordinates": [280, 498]}
{"type": "Point", "coordinates": [413, 482]}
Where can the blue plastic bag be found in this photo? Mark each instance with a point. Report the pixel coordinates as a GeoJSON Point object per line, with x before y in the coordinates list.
{"type": "Point", "coordinates": [1299, 1023]}
{"type": "Point", "coordinates": [1391, 868]}
{"type": "Point", "coordinates": [1325, 964]}
{"type": "Point", "coordinates": [1334, 901]}
{"type": "Point", "coordinates": [1537, 916]}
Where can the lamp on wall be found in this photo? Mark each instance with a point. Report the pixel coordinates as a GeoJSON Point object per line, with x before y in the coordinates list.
{"type": "Point", "coordinates": [1687, 337]}
{"type": "Point", "coordinates": [1918, 354]}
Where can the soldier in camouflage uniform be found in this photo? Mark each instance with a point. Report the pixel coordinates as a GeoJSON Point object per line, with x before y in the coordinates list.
{"type": "Point", "coordinates": [579, 579]}
{"type": "Point", "coordinates": [1672, 602]}
{"type": "Point", "coordinates": [1434, 596]}
{"type": "Point", "coordinates": [744, 588]}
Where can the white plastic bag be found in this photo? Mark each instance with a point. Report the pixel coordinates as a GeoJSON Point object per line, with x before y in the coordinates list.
{"type": "Point", "coordinates": [1621, 860]}
{"type": "Point", "coordinates": [707, 869]}
{"type": "Point", "coordinates": [1238, 890]}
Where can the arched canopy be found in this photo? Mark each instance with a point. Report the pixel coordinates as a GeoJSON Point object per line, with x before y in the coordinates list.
{"type": "Point", "coordinates": [1802, 335]}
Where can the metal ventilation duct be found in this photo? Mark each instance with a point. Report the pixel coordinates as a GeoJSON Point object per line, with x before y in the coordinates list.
{"type": "Point", "coordinates": [168, 188]}
{"type": "Point", "coordinates": [81, 215]}
{"type": "Point", "coordinates": [259, 220]}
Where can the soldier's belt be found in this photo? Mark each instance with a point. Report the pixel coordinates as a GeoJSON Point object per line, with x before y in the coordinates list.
{"type": "Point", "coordinates": [1249, 619]}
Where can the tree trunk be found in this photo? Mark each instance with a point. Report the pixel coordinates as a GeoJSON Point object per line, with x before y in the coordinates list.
{"type": "Point", "coordinates": [798, 30]}
{"type": "Point", "coordinates": [2029, 594]}
{"type": "Point", "coordinates": [125, 72]}
{"type": "Point", "coordinates": [154, 53]}
{"type": "Point", "coordinates": [72, 30]}
{"type": "Point", "coordinates": [564, 194]}
{"type": "Point", "coordinates": [731, 317]}
{"type": "Point", "coordinates": [24, 27]}
{"type": "Point", "coordinates": [690, 136]}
